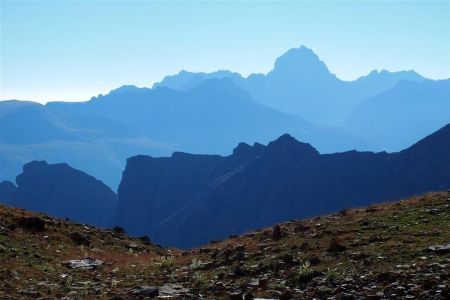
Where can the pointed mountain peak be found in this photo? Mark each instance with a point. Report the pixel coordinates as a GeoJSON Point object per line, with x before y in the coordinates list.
{"type": "Point", "coordinates": [242, 149]}
{"type": "Point", "coordinates": [285, 139]}
{"type": "Point", "coordinates": [301, 62]}
{"type": "Point", "coordinates": [287, 144]}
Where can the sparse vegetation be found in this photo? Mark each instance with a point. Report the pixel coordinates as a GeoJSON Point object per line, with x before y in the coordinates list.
{"type": "Point", "coordinates": [304, 272]}
{"type": "Point", "coordinates": [166, 262]}
{"type": "Point", "coordinates": [199, 279]}
{"type": "Point", "coordinates": [331, 274]}
{"type": "Point", "coordinates": [195, 264]}
{"type": "Point", "coordinates": [277, 286]}
{"type": "Point", "coordinates": [386, 247]}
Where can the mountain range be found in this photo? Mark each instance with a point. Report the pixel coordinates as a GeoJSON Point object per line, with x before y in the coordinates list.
{"type": "Point", "coordinates": [186, 200]}
{"type": "Point", "coordinates": [301, 84]}
{"type": "Point", "coordinates": [382, 107]}
{"type": "Point", "coordinates": [210, 112]}
{"type": "Point", "coordinates": [172, 199]}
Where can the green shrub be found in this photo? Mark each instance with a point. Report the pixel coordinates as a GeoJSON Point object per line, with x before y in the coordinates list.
{"type": "Point", "coordinates": [304, 272]}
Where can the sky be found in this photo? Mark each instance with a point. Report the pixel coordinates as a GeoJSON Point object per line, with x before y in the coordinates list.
{"type": "Point", "coordinates": [73, 50]}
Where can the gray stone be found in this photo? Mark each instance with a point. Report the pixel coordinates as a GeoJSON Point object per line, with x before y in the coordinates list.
{"type": "Point", "coordinates": [440, 249]}
{"type": "Point", "coordinates": [145, 290]}
{"type": "Point", "coordinates": [85, 263]}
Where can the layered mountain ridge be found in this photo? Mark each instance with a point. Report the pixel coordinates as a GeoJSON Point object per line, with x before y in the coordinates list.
{"type": "Point", "coordinates": [300, 96]}
{"type": "Point", "coordinates": [172, 199]}
{"type": "Point", "coordinates": [186, 200]}
{"type": "Point", "coordinates": [301, 84]}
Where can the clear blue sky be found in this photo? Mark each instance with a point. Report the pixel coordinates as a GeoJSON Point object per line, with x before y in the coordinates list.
{"type": "Point", "coordinates": [71, 50]}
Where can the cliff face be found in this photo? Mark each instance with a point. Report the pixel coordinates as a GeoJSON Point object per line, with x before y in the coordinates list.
{"type": "Point", "coordinates": [62, 191]}
{"type": "Point", "coordinates": [187, 200]}
{"type": "Point", "coordinates": [153, 189]}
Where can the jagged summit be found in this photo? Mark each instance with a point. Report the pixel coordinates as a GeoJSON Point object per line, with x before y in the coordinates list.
{"type": "Point", "coordinates": [285, 139]}
{"type": "Point", "coordinates": [242, 149]}
{"type": "Point", "coordinates": [185, 80]}
{"type": "Point", "coordinates": [289, 145]}
{"type": "Point", "coordinates": [302, 62]}
{"type": "Point", "coordinates": [286, 179]}
{"type": "Point", "coordinates": [385, 75]}
{"type": "Point", "coordinates": [132, 120]}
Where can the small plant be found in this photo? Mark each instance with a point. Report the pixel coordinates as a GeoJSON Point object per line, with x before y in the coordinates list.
{"type": "Point", "coordinates": [281, 286]}
{"type": "Point", "coordinates": [46, 268]}
{"type": "Point", "coordinates": [331, 274]}
{"type": "Point", "coordinates": [199, 279]}
{"type": "Point", "coordinates": [67, 280]}
{"type": "Point", "coordinates": [195, 264]}
{"type": "Point", "coordinates": [304, 272]}
{"type": "Point", "coordinates": [166, 262]}
{"type": "Point", "coordinates": [114, 282]}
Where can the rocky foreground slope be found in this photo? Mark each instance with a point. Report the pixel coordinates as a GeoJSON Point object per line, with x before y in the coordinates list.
{"type": "Point", "coordinates": [391, 251]}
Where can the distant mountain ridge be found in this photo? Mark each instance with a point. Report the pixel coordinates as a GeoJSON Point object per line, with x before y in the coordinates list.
{"type": "Point", "coordinates": [394, 118]}
{"type": "Point", "coordinates": [301, 84]}
{"type": "Point", "coordinates": [186, 200]}
{"type": "Point", "coordinates": [172, 199]}
{"type": "Point", "coordinates": [211, 112]}
{"type": "Point", "coordinates": [106, 130]}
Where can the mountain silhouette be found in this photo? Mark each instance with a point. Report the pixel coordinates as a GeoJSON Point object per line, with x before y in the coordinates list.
{"type": "Point", "coordinates": [26, 122]}
{"type": "Point", "coordinates": [301, 84]}
{"type": "Point", "coordinates": [210, 112]}
{"type": "Point", "coordinates": [187, 200]}
{"type": "Point", "coordinates": [62, 191]}
{"type": "Point", "coordinates": [98, 136]}
{"type": "Point", "coordinates": [393, 119]}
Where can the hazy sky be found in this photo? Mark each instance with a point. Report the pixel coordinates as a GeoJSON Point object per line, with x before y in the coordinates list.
{"type": "Point", "coordinates": [72, 50]}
